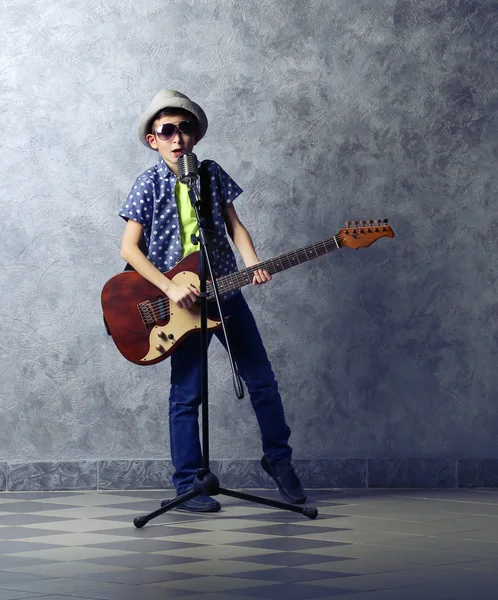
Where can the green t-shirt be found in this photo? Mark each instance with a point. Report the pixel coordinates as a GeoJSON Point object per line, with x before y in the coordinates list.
{"type": "Point", "coordinates": [187, 218]}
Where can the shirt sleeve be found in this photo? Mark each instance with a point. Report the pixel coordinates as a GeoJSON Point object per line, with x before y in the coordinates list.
{"type": "Point", "coordinates": [138, 205]}
{"type": "Point", "coordinates": [228, 189]}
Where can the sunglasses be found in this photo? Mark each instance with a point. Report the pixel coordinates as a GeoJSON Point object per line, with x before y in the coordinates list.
{"type": "Point", "coordinates": [168, 130]}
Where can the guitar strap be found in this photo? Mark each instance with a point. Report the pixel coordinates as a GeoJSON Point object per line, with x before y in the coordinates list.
{"type": "Point", "coordinates": [206, 215]}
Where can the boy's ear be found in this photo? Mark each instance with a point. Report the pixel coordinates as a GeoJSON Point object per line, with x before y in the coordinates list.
{"type": "Point", "coordinates": [151, 138]}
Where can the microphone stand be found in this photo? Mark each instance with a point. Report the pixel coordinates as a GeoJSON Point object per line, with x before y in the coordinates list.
{"type": "Point", "coordinates": [206, 483]}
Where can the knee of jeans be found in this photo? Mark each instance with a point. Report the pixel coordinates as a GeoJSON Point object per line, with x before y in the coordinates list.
{"type": "Point", "coordinates": [262, 388]}
{"type": "Point", "coordinates": [184, 396]}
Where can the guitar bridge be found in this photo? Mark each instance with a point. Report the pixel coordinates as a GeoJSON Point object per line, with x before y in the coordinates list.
{"type": "Point", "coordinates": [147, 314]}
{"type": "Point", "coordinates": [154, 312]}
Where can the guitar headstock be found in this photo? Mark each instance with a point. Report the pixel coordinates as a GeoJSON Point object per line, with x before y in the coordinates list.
{"type": "Point", "coordinates": [363, 233]}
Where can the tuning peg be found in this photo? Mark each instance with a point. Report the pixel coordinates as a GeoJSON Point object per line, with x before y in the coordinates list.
{"type": "Point", "coordinates": [378, 221]}
{"type": "Point", "coordinates": [386, 221]}
{"type": "Point", "coordinates": [348, 223]}
{"type": "Point", "coordinates": [355, 223]}
{"type": "Point", "coordinates": [370, 221]}
{"type": "Point", "coordinates": [363, 223]}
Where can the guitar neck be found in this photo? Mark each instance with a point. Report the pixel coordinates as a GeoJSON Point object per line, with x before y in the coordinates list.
{"type": "Point", "coordinates": [235, 281]}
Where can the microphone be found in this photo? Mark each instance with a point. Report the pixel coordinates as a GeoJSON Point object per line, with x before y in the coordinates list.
{"type": "Point", "coordinates": [188, 171]}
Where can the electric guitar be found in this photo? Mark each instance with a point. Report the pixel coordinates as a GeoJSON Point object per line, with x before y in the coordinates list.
{"type": "Point", "coordinates": [147, 326]}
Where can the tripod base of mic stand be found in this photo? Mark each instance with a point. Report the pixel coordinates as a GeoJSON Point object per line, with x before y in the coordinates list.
{"type": "Point", "coordinates": [207, 484]}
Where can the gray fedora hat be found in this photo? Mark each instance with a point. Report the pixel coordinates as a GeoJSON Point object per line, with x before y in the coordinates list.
{"type": "Point", "coordinates": [170, 99]}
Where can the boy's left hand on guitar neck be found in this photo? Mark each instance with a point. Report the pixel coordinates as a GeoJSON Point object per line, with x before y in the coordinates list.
{"type": "Point", "coordinates": [260, 276]}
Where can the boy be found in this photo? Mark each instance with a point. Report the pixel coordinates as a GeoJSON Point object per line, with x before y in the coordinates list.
{"type": "Point", "coordinates": [158, 210]}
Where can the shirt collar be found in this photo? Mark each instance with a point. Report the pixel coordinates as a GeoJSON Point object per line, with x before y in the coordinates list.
{"type": "Point", "coordinates": [167, 172]}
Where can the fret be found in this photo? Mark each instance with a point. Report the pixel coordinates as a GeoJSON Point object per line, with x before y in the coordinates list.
{"type": "Point", "coordinates": [331, 244]}
{"type": "Point", "coordinates": [311, 252]}
{"type": "Point", "coordinates": [294, 257]}
{"type": "Point", "coordinates": [278, 262]}
{"type": "Point", "coordinates": [292, 260]}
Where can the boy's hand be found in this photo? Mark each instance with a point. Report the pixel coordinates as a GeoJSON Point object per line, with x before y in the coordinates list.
{"type": "Point", "coordinates": [184, 296]}
{"type": "Point", "coordinates": [261, 276]}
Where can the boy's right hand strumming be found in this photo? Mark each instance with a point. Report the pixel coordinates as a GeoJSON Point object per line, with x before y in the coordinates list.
{"type": "Point", "coordinates": [184, 296]}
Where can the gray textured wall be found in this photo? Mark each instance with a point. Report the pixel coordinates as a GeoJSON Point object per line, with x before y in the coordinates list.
{"type": "Point", "coordinates": [322, 111]}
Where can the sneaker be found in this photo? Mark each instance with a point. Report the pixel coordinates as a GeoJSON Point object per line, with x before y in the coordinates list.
{"type": "Point", "coordinates": [199, 504]}
{"type": "Point", "coordinates": [286, 479]}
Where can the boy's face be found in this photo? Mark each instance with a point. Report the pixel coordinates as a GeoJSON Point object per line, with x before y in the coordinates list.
{"type": "Point", "coordinates": [177, 144]}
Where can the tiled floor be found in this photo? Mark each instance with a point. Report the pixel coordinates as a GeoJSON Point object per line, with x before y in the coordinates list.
{"type": "Point", "coordinates": [364, 545]}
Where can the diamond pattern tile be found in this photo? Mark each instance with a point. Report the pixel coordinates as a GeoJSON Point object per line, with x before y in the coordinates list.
{"type": "Point", "coordinates": [376, 544]}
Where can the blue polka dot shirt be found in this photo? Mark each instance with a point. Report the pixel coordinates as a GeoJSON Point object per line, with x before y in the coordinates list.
{"type": "Point", "coordinates": [152, 203]}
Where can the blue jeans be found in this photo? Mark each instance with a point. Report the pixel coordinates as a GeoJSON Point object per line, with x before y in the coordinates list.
{"type": "Point", "coordinates": [254, 368]}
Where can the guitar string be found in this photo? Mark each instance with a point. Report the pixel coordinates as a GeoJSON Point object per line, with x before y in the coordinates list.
{"type": "Point", "coordinates": [245, 276]}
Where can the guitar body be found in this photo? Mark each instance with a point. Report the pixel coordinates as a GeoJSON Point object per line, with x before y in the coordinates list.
{"type": "Point", "coordinates": [126, 298]}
